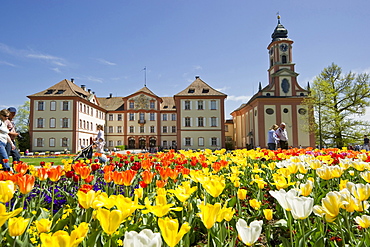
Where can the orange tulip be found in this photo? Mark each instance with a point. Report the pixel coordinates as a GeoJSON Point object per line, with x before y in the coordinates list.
{"type": "Point", "coordinates": [21, 167]}
{"type": "Point", "coordinates": [25, 183]}
{"type": "Point", "coordinates": [128, 177]}
{"type": "Point", "coordinates": [108, 168]}
{"type": "Point", "coordinates": [42, 173]}
{"type": "Point", "coordinates": [117, 177]}
{"type": "Point", "coordinates": [108, 176]}
{"type": "Point", "coordinates": [84, 171]}
{"type": "Point", "coordinates": [147, 176]}
{"type": "Point", "coordinates": [160, 183]}
{"type": "Point", "coordinates": [55, 173]}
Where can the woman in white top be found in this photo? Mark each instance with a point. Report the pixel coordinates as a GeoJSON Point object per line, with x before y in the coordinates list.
{"type": "Point", "coordinates": [4, 139]}
{"type": "Point", "coordinates": [272, 137]}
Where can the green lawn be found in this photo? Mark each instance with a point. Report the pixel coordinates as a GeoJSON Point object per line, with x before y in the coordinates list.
{"type": "Point", "coordinates": [34, 160]}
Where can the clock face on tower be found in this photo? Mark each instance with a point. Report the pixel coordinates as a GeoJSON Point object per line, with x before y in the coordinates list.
{"type": "Point", "coordinates": [284, 47]}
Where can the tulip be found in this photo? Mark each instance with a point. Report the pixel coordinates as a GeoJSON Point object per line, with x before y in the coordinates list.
{"type": "Point", "coordinates": [109, 220]}
{"type": "Point", "coordinates": [43, 225]}
{"type": "Point", "coordinates": [147, 176]}
{"type": "Point", "coordinates": [268, 214]}
{"type": "Point", "coordinates": [17, 226]}
{"type": "Point", "coordinates": [63, 239]}
{"type": "Point", "coordinates": [214, 185]}
{"type": "Point", "coordinates": [54, 173]}
{"type": "Point", "coordinates": [225, 213]}
{"type": "Point", "coordinates": [170, 233]}
{"type": "Point", "coordinates": [255, 204]}
{"type": "Point", "coordinates": [4, 216]}
{"type": "Point", "coordinates": [363, 221]}
{"type": "Point", "coordinates": [84, 171]}
{"type": "Point", "coordinates": [25, 183]}
{"type": "Point", "coordinates": [126, 205]}
{"type": "Point", "coordinates": [208, 214]}
{"type": "Point", "coordinates": [360, 191]}
{"type": "Point", "coordinates": [249, 234]}
{"type": "Point", "coordinates": [242, 194]}
{"type": "Point", "coordinates": [42, 173]}
{"type": "Point", "coordinates": [161, 208]}
{"type": "Point", "coordinates": [21, 167]}
{"type": "Point", "coordinates": [306, 188]}
{"type": "Point", "coordinates": [281, 196]}
{"type": "Point", "coordinates": [86, 199]}
{"type": "Point", "coordinates": [301, 207]}
{"type": "Point", "coordinates": [365, 176]}
{"type": "Point", "coordinates": [331, 205]}
{"type": "Point", "coordinates": [7, 190]}
{"type": "Point", "coordinates": [184, 191]}
{"type": "Point", "coordinates": [145, 238]}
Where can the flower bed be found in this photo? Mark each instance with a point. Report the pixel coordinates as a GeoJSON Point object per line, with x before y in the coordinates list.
{"type": "Point", "coordinates": [296, 197]}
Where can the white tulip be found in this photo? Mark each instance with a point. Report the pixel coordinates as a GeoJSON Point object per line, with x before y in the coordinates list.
{"type": "Point", "coordinates": [146, 238]}
{"type": "Point", "coordinates": [281, 196]}
{"type": "Point", "coordinates": [249, 234]}
{"type": "Point", "coordinates": [300, 207]}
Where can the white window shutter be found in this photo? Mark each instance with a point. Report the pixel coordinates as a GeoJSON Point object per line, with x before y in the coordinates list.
{"type": "Point", "coordinates": [69, 106]}
{"type": "Point", "coordinates": [43, 142]}
{"type": "Point", "coordinates": [196, 121]}
{"type": "Point", "coordinates": [216, 121]}
{"type": "Point", "coordinates": [191, 141]}
{"type": "Point", "coordinates": [69, 123]}
{"type": "Point", "coordinates": [204, 121]}
{"type": "Point", "coordinates": [191, 122]}
{"type": "Point", "coordinates": [43, 122]}
{"type": "Point", "coordinates": [35, 144]}
{"type": "Point", "coordinates": [61, 142]}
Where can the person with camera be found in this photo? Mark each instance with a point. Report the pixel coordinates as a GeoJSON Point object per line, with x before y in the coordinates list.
{"type": "Point", "coordinates": [13, 135]}
{"type": "Point", "coordinates": [4, 140]}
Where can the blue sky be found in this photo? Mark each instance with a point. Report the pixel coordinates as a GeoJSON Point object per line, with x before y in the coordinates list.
{"type": "Point", "coordinates": [106, 44]}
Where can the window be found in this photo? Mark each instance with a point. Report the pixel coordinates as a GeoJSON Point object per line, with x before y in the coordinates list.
{"type": "Point", "coordinates": [91, 126]}
{"type": "Point", "coordinates": [39, 142]}
{"type": "Point", "coordinates": [152, 129]}
{"type": "Point", "coordinates": [110, 129]}
{"type": "Point", "coordinates": [173, 129]}
{"type": "Point", "coordinates": [119, 129]}
{"type": "Point", "coordinates": [52, 142]}
{"type": "Point", "coordinates": [201, 141]}
{"type": "Point", "coordinates": [80, 124]}
{"type": "Point", "coordinates": [152, 116]}
{"type": "Point", "coordinates": [131, 116]}
{"type": "Point", "coordinates": [173, 117]}
{"type": "Point", "coordinates": [40, 123]}
{"type": "Point", "coordinates": [64, 142]}
{"type": "Point", "coordinates": [187, 105]}
{"type": "Point", "coordinates": [226, 128]}
{"type": "Point", "coordinates": [152, 104]}
{"type": "Point", "coordinates": [173, 144]}
{"type": "Point", "coordinates": [164, 117]}
{"type": "Point", "coordinates": [132, 104]}
{"type": "Point", "coordinates": [213, 122]}
{"type": "Point", "coordinates": [65, 106]}
{"type": "Point", "coordinates": [131, 129]}
{"type": "Point", "coordinates": [52, 122]}
{"type": "Point", "coordinates": [141, 129]}
{"type": "Point", "coordinates": [187, 122]}
{"type": "Point", "coordinates": [164, 129]}
{"type": "Point", "coordinates": [119, 117]}
{"type": "Point", "coordinates": [213, 105]}
{"type": "Point", "coordinates": [200, 104]}
{"type": "Point", "coordinates": [283, 59]}
{"type": "Point", "coordinates": [187, 141]}
{"type": "Point", "coordinates": [87, 125]}
{"type": "Point", "coordinates": [110, 117]}
{"type": "Point", "coordinates": [40, 106]}
{"type": "Point", "coordinates": [165, 144]}
{"type": "Point", "coordinates": [142, 116]}
{"type": "Point", "coordinates": [119, 143]}
{"type": "Point", "coordinates": [213, 141]}
{"type": "Point", "coordinates": [110, 143]}
{"type": "Point", "coordinates": [53, 105]}
{"type": "Point", "coordinates": [65, 123]}
{"type": "Point", "coordinates": [200, 122]}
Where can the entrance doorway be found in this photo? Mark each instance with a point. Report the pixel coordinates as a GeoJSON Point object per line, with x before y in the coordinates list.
{"type": "Point", "coordinates": [131, 143]}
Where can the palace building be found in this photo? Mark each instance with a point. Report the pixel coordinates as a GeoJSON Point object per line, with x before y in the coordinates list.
{"type": "Point", "coordinates": [279, 101]}
{"type": "Point", "coordinates": [65, 117]}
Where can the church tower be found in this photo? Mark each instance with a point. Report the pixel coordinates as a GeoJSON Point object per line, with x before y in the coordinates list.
{"type": "Point", "coordinates": [279, 101]}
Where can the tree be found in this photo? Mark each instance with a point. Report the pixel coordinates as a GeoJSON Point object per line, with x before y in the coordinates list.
{"type": "Point", "coordinates": [22, 123]}
{"type": "Point", "coordinates": [335, 100]}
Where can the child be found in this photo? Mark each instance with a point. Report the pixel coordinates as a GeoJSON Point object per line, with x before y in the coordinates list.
{"type": "Point", "coordinates": [100, 149]}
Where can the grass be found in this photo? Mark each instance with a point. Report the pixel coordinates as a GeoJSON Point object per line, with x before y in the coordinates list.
{"type": "Point", "coordinates": [35, 160]}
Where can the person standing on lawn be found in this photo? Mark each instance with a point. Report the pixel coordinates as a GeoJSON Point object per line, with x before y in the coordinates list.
{"type": "Point", "coordinates": [13, 135]}
{"type": "Point", "coordinates": [4, 139]}
{"type": "Point", "coordinates": [282, 136]}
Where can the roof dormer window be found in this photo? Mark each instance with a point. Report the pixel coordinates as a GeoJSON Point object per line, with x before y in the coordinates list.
{"type": "Point", "coordinates": [191, 90]}
{"type": "Point", "coordinates": [205, 90]}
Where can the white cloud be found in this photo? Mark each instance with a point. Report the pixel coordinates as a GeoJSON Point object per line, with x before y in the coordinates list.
{"type": "Point", "coordinates": [223, 89]}
{"type": "Point", "coordinates": [103, 61]}
{"type": "Point", "coordinates": [6, 63]}
{"type": "Point", "coordinates": [56, 70]}
{"type": "Point", "coordinates": [197, 67]}
{"type": "Point", "coordinates": [242, 98]}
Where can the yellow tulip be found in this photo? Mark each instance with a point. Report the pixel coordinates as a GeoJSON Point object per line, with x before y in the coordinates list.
{"type": "Point", "coordinates": [208, 214]}
{"type": "Point", "coordinates": [184, 191]}
{"type": "Point", "coordinates": [169, 229]}
{"type": "Point", "coordinates": [360, 191]}
{"type": "Point", "coordinates": [268, 214]}
{"type": "Point", "coordinates": [161, 208]}
{"type": "Point", "coordinates": [214, 185]}
{"type": "Point", "coordinates": [365, 176]}
{"type": "Point", "coordinates": [4, 216]}
{"type": "Point", "coordinates": [109, 220]}
{"type": "Point", "coordinates": [363, 221]}
{"type": "Point", "coordinates": [225, 213]}
{"type": "Point", "coordinates": [17, 226]}
{"type": "Point", "coordinates": [7, 189]}
{"type": "Point", "coordinates": [255, 204]}
{"type": "Point", "coordinates": [126, 205]}
{"type": "Point", "coordinates": [86, 199]}
{"type": "Point", "coordinates": [306, 188]}
{"type": "Point", "coordinates": [331, 205]}
{"type": "Point", "coordinates": [63, 239]}
{"type": "Point", "coordinates": [102, 200]}
{"type": "Point", "coordinates": [43, 225]}
{"type": "Point", "coordinates": [242, 194]}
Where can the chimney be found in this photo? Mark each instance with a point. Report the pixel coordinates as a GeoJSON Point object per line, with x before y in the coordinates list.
{"type": "Point", "coordinates": [83, 87]}
{"type": "Point", "coordinates": [93, 92]}
{"type": "Point", "coordinates": [197, 77]}
{"type": "Point", "coordinates": [110, 95]}
{"type": "Point", "coordinates": [72, 80]}
{"type": "Point", "coordinates": [89, 90]}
